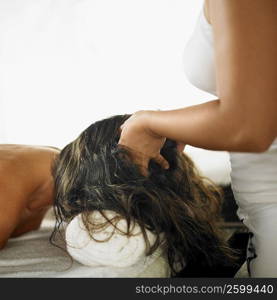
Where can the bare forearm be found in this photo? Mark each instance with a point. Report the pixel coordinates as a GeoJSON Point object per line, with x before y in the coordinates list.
{"type": "Point", "coordinates": [207, 126]}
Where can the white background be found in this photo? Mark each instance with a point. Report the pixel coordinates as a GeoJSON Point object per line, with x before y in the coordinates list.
{"type": "Point", "coordinates": [67, 63]}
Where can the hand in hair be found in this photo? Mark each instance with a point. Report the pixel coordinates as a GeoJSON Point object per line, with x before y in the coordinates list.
{"type": "Point", "coordinates": [180, 208]}
{"type": "Point", "coordinates": [142, 144]}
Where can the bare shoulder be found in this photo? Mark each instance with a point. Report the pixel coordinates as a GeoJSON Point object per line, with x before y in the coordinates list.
{"type": "Point", "coordinates": [13, 156]}
{"type": "Point", "coordinates": [24, 167]}
{"type": "Point", "coordinates": [11, 151]}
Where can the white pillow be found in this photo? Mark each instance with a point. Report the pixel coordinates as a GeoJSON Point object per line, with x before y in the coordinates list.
{"type": "Point", "coordinates": [118, 251]}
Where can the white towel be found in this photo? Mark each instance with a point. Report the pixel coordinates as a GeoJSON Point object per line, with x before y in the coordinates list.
{"type": "Point", "coordinates": [119, 250]}
{"type": "Point", "coordinates": [32, 255]}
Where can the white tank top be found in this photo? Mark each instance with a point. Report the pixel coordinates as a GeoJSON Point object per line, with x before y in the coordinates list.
{"type": "Point", "coordinates": [254, 176]}
{"type": "Point", "coordinates": [199, 56]}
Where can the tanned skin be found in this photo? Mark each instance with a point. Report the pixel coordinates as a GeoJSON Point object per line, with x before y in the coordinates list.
{"type": "Point", "coordinates": [26, 188]}
{"type": "Point", "coordinates": [244, 117]}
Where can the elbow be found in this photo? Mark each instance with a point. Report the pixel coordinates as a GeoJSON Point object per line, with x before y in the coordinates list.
{"type": "Point", "coordinates": [259, 146]}
{"type": "Point", "coordinates": [253, 141]}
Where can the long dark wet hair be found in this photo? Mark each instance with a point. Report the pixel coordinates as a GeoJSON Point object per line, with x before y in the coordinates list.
{"type": "Point", "coordinates": [178, 205]}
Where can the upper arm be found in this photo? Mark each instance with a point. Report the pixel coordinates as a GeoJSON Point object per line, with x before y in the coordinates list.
{"type": "Point", "coordinates": [8, 222]}
{"type": "Point", "coordinates": [12, 203]}
{"type": "Point", "coordinates": [245, 33]}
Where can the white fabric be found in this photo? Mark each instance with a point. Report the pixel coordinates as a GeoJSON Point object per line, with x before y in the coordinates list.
{"type": "Point", "coordinates": [118, 250]}
{"type": "Point", "coordinates": [253, 176]}
{"type": "Point", "coordinates": [199, 57]}
{"type": "Point", "coordinates": [32, 255]}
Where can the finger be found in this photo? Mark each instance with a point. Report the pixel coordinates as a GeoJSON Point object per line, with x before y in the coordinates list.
{"type": "Point", "coordinates": [139, 159]}
{"type": "Point", "coordinates": [142, 165]}
{"type": "Point", "coordinates": [143, 171]}
{"type": "Point", "coordinates": [161, 161]}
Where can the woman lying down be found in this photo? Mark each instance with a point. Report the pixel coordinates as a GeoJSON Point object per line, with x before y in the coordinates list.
{"type": "Point", "coordinates": [116, 217]}
{"type": "Point", "coordinates": [113, 215]}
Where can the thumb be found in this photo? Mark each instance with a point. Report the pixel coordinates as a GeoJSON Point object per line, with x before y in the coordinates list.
{"type": "Point", "coordinates": [161, 161]}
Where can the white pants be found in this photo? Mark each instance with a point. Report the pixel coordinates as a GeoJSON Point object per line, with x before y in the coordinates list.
{"type": "Point", "coordinates": [254, 183]}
